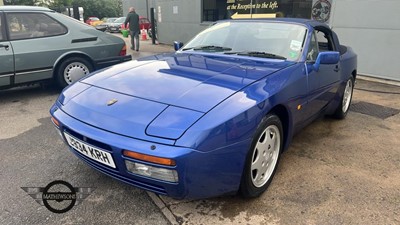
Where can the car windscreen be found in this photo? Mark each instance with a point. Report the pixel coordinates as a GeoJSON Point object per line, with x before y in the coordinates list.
{"type": "Point", "coordinates": [252, 38]}
{"type": "Point", "coordinates": [120, 20]}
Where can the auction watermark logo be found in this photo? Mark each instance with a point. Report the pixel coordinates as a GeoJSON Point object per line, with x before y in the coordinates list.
{"type": "Point", "coordinates": [59, 196]}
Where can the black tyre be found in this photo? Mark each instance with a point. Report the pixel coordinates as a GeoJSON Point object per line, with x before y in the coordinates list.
{"type": "Point", "coordinates": [263, 157]}
{"type": "Point", "coordinates": [344, 106]}
{"type": "Point", "coordinates": [71, 70]}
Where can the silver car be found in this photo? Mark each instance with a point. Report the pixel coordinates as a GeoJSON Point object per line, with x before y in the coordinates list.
{"type": "Point", "coordinates": [38, 44]}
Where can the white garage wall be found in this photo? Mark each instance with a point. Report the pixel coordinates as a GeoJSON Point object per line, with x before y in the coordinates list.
{"type": "Point", "coordinates": [372, 29]}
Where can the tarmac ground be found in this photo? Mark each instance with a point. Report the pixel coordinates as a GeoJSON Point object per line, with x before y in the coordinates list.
{"type": "Point", "coordinates": [335, 171]}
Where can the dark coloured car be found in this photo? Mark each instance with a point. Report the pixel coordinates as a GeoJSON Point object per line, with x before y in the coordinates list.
{"type": "Point", "coordinates": [214, 117]}
{"type": "Point", "coordinates": [117, 25]}
{"type": "Point", "coordinates": [107, 21]}
{"type": "Point", "coordinates": [144, 23]}
{"type": "Point", "coordinates": [38, 44]}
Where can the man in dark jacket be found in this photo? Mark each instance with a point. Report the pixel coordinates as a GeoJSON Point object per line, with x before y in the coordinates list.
{"type": "Point", "coordinates": [133, 19]}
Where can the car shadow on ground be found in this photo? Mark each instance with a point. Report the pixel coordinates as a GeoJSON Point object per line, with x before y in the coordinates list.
{"type": "Point", "coordinates": [36, 90]}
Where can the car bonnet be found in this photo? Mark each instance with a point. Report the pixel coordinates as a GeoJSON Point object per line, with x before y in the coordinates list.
{"type": "Point", "coordinates": [189, 81]}
{"type": "Point", "coordinates": [161, 96]}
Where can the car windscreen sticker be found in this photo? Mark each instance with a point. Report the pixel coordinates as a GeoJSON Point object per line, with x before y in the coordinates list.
{"type": "Point", "coordinates": [293, 54]}
{"type": "Point", "coordinates": [295, 45]}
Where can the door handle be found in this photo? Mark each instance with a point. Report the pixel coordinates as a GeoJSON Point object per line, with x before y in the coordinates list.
{"type": "Point", "coordinates": [337, 69]}
{"type": "Point", "coordinates": [4, 46]}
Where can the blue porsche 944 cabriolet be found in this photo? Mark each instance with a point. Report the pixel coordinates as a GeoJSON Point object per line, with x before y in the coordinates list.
{"type": "Point", "coordinates": [213, 117]}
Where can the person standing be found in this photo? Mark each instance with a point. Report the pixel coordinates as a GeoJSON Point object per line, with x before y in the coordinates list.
{"type": "Point", "coordinates": [133, 19]}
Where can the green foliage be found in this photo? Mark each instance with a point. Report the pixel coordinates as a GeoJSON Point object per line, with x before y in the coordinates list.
{"type": "Point", "coordinates": [98, 8]}
{"type": "Point", "coordinates": [20, 2]}
{"type": "Point", "coordinates": [59, 5]}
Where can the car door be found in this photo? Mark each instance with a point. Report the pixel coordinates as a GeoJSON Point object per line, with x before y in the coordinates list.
{"type": "Point", "coordinates": [322, 84]}
{"type": "Point", "coordinates": [6, 55]}
{"type": "Point", "coordinates": [36, 39]}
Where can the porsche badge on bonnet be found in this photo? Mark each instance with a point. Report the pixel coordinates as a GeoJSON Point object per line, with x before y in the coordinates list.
{"type": "Point", "coordinates": [112, 102]}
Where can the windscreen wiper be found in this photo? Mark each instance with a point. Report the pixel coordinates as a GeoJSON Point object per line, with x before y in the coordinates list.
{"type": "Point", "coordinates": [257, 54]}
{"type": "Point", "coordinates": [209, 47]}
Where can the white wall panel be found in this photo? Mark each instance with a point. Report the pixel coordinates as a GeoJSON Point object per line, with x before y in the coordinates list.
{"type": "Point", "coordinates": [372, 29]}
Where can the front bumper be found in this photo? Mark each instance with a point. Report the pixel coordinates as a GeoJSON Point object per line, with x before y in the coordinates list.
{"type": "Point", "coordinates": [114, 29]}
{"type": "Point", "coordinates": [101, 27]}
{"type": "Point", "coordinates": [103, 63]}
{"type": "Point", "coordinates": [201, 174]}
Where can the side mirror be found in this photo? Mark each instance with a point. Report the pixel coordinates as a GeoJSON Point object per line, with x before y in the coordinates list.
{"type": "Point", "coordinates": [177, 45]}
{"type": "Point", "coordinates": [326, 58]}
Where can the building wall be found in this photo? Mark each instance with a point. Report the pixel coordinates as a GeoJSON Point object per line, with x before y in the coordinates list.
{"type": "Point", "coordinates": [372, 29]}
{"type": "Point", "coordinates": [142, 7]}
{"type": "Point", "coordinates": [182, 24]}
{"type": "Point", "coordinates": [179, 26]}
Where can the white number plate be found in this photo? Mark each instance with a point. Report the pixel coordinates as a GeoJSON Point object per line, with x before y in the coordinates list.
{"type": "Point", "coordinates": [90, 151]}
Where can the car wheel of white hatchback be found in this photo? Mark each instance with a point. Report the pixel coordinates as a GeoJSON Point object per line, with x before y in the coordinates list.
{"type": "Point", "coordinates": [73, 69]}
